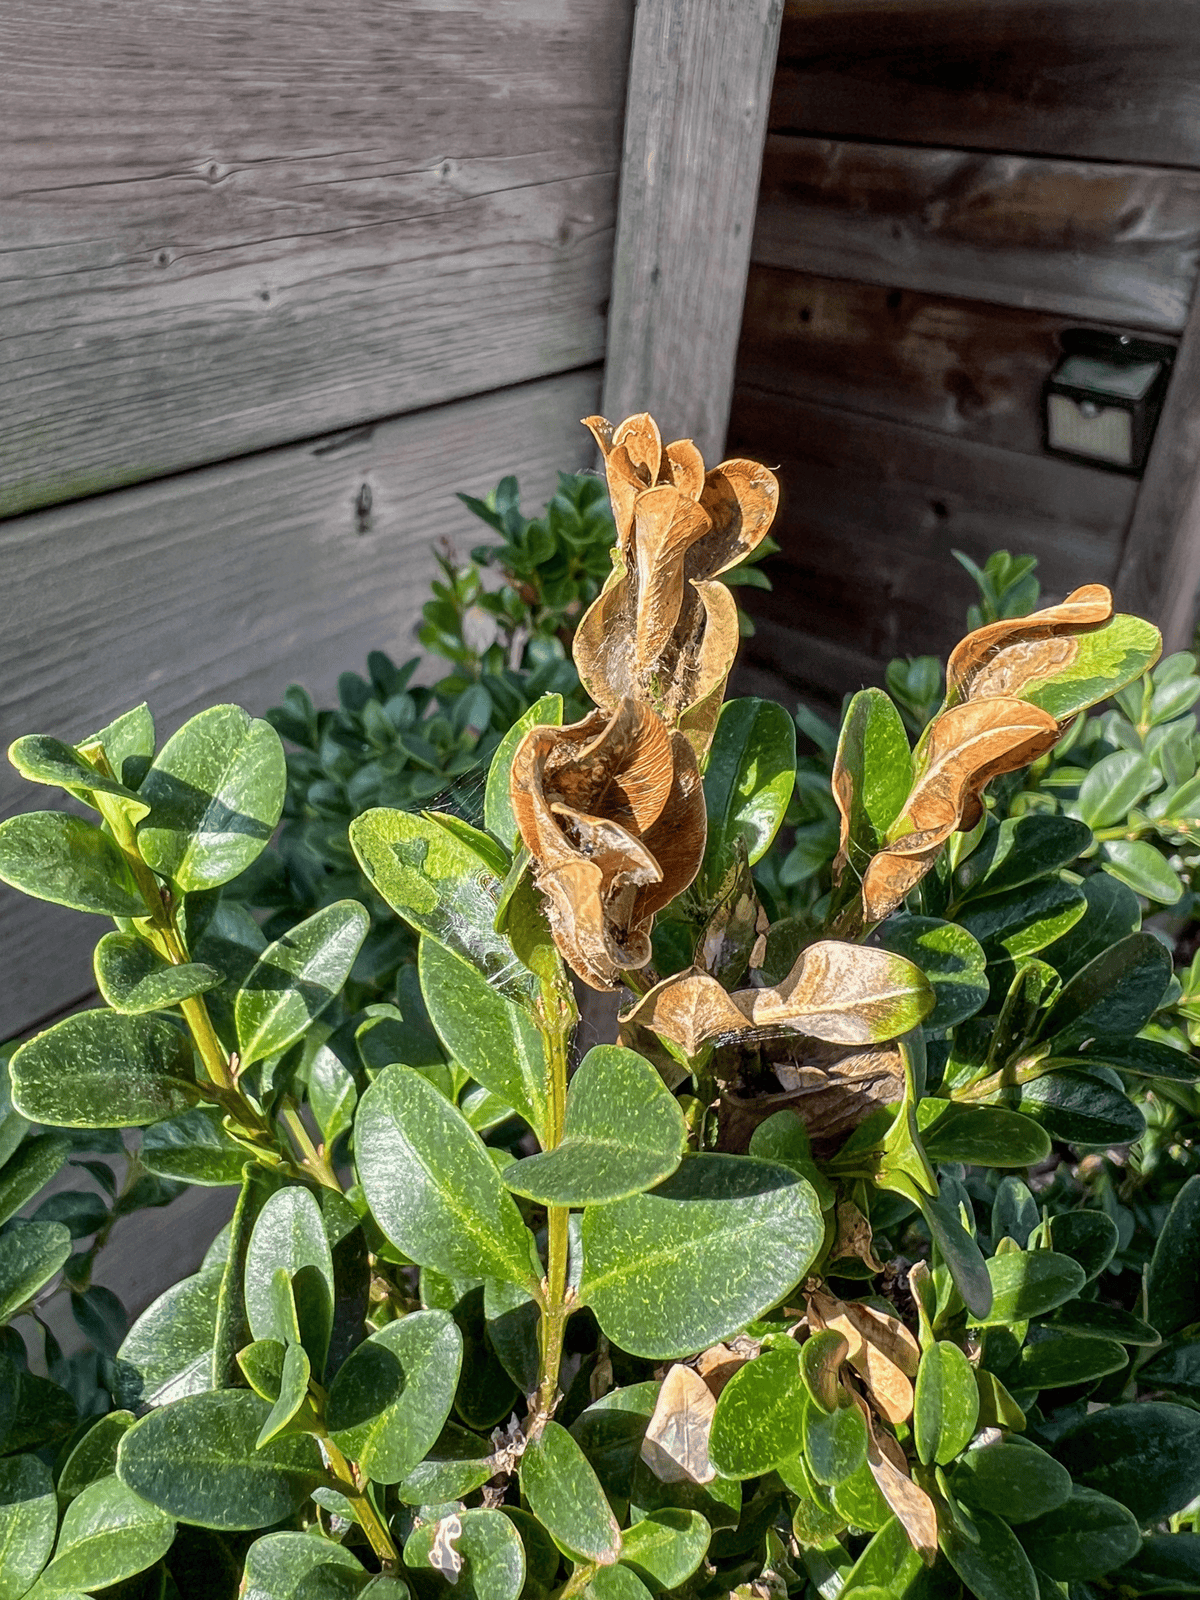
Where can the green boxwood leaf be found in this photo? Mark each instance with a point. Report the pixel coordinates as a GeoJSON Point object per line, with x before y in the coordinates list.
{"type": "Point", "coordinates": [493, 1557]}
{"type": "Point", "coordinates": [296, 978]}
{"type": "Point", "coordinates": [198, 1460]}
{"type": "Point", "coordinates": [748, 781]}
{"type": "Point", "coordinates": [289, 1236]}
{"type": "Point", "coordinates": [981, 1136]}
{"type": "Point", "coordinates": [216, 792]}
{"type": "Point", "coordinates": [108, 1533]}
{"type": "Point", "coordinates": [1147, 1456]}
{"type": "Point", "coordinates": [493, 1040]}
{"type": "Point", "coordinates": [835, 1443]}
{"type": "Point", "coordinates": [950, 958]}
{"type": "Point", "coordinates": [623, 1133]}
{"type": "Point", "coordinates": [1020, 922]}
{"type": "Point", "coordinates": [565, 1496]}
{"type": "Point", "coordinates": [1085, 1537]}
{"type": "Point", "coordinates": [995, 1568]}
{"type": "Point", "coordinates": [497, 806]}
{"type": "Point", "coordinates": [946, 1404]}
{"type": "Point", "coordinates": [1105, 660]}
{"type": "Point", "coordinates": [133, 978]}
{"type": "Point", "coordinates": [1112, 912]}
{"type": "Point", "coordinates": [1138, 865]}
{"type": "Point", "coordinates": [98, 1069]}
{"type": "Point", "coordinates": [1113, 786]}
{"type": "Point", "coordinates": [714, 1246]}
{"type": "Point", "coordinates": [665, 1548]}
{"type": "Point", "coordinates": [30, 1254]}
{"type": "Point", "coordinates": [610, 1433]}
{"type": "Point", "coordinates": [1018, 850]}
{"type": "Point", "coordinates": [35, 1163]}
{"type": "Point", "coordinates": [1015, 1213]}
{"type": "Point", "coordinates": [128, 738]}
{"type": "Point", "coordinates": [297, 1566]}
{"type": "Point", "coordinates": [42, 759]}
{"type": "Point", "coordinates": [28, 1522]}
{"type": "Point", "coordinates": [1028, 1283]}
{"type": "Point", "coordinates": [456, 1464]}
{"type": "Point", "coordinates": [858, 1501]}
{"type": "Point", "coordinates": [1082, 1108]}
{"type": "Point", "coordinates": [1089, 1237]}
{"type": "Point", "coordinates": [1176, 1368]}
{"type": "Point", "coordinates": [446, 881]}
{"type": "Point", "coordinates": [759, 1415]}
{"type": "Point", "coordinates": [616, 1583]}
{"type": "Point", "coordinates": [193, 1148]}
{"type": "Point", "coordinates": [95, 1456]}
{"type": "Point", "coordinates": [294, 1375]}
{"type": "Point", "coordinates": [168, 1351]}
{"type": "Point", "coordinates": [1173, 1286]}
{"type": "Point", "coordinates": [432, 1186]}
{"type": "Point", "coordinates": [1167, 1564]}
{"type": "Point", "coordinates": [1143, 1058]}
{"type": "Point", "coordinates": [1095, 1320]}
{"type": "Point", "coordinates": [1011, 1479]}
{"type": "Point", "coordinates": [888, 1566]}
{"type": "Point", "coordinates": [1060, 1360]}
{"type": "Point", "coordinates": [1113, 996]}
{"type": "Point", "coordinates": [262, 1367]}
{"type": "Point", "coordinates": [54, 856]}
{"type": "Point", "coordinates": [392, 1396]}
{"type": "Point", "coordinates": [873, 769]}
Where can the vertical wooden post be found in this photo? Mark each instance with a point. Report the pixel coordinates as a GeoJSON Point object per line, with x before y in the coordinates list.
{"type": "Point", "coordinates": [699, 91]}
{"type": "Point", "coordinates": [1160, 567]}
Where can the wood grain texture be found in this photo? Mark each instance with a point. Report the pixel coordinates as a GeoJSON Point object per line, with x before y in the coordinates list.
{"type": "Point", "coordinates": [699, 86]}
{"type": "Point", "coordinates": [870, 511]}
{"type": "Point", "coordinates": [961, 367]}
{"type": "Point", "coordinates": [1084, 240]}
{"type": "Point", "coordinates": [1112, 80]}
{"type": "Point", "coordinates": [224, 228]}
{"type": "Point", "coordinates": [1160, 569]}
{"type": "Point", "coordinates": [230, 582]}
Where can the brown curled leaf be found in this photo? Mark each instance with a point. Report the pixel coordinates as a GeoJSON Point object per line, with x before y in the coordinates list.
{"type": "Point", "coordinates": [880, 1349]}
{"type": "Point", "coordinates": [912, 1506]}
{"type": "Point", "coordinates": [1003, 657]}
{"type": "Point", "coordinates": [830, 1087]}
{"type": "Point", "coordinates": [611, 810]}
{"type": "Point", "coordinates": [632, 452]}
{"type": "Point", "coordinates": [854, 1236]}
{"type": "Point", "coordinates": [675, 1446]}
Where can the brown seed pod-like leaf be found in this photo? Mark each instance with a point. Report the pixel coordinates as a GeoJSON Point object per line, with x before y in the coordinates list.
{"type": "Point", "coordinates": [611, 810]}
{"type": "Point", "coordinates": [964, 749]}
{"type": "Point", "coordinates": [675, 1446]}
{"type": "Point", "coordinates": [1000, 659]}
{"type": "Point", "coordinates": [889, 1468]}
{"type": "Point", "coordinates": [635, 459]}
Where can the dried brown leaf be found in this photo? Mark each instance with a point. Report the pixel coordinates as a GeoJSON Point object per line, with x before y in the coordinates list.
{"type": "Point", "coordinates": [909, 1502]}
{"type": "Point", "coordinates": [666, 525]}
{"type": "Point", "coordinates": [1000, 659]}
{"type": "Point", "coordinates": [675, 1447]}
{"type": "Point", "coordinates": [718, 1365]}
{"type": "Point", "coordinates": [854, 1236]}
{"type": "Point", "coordinates": [878, 1350]}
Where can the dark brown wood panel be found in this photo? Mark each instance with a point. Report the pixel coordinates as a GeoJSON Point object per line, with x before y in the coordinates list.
{"type": "Point", "coordinates": [225, 227]}
{"type": "Point", "coordinates": [961, 367]}
{"type": "Point", "coordinates": [870, 512]}
{"type": "Point", "coordinates": [1083, 240]}
{"type": "Point", "coordinates": [1112, 80]}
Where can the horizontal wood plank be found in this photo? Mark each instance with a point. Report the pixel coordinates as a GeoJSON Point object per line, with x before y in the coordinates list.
{"type": "Point", "coordinates": [224, 228]}
{"type": "Point", "coordinates": [230, 582]}
{"type": "Point", "coordinates": [1082, 240]}
{"type": "Point", "coordinates": [1111, 80]}
{"type": "Point", "coordinates": [961, 367]}
{"type": "Point", "coordinates": [870, 512]}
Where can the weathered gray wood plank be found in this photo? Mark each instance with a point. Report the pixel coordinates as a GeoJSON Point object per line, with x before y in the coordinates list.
{"type": "Point", "coordinates": [1114, 80]}
{"type": "Point", "coordinates": [1084, 240]}
{"type": "Point", "coordinates": [232, 581]}
{"type": "Point", "coordinates": [1160, 567]}
{"type": "Point", "coordinates": [224, 228]}
{"type": "Point", "coordinates": [699, 86]}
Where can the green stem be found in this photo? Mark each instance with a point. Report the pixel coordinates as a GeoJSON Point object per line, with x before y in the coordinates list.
{"type": "Point", "coordinates": [1008, 1077]}
{"type": "Point", "coordinates": [557, 1020]}
{"type": "Point", "coordinates": [316, 1161]}
{"type": "Point", "coordinates": [580, 1577]}
{"type": "Point", "coordinates": [347, 1483]}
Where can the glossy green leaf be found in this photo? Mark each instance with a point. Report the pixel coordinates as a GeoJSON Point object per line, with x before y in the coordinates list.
{"type": "Point", "coordinates": [392, 1396]}
{"type": "Point", "coordinates": [1018, 850]}
{"type": "Point", "coordinates": [497, 804]}
{"type": "Point", "coordinates": [821, 1357]}
{"type": "Point", "coordinates": [874, 768]}
{"type": "Point", "coordinates": [28, 1522]}
{"type": "Point", "coordinates": [1142, 868]}
{"type": "Point", "coordinates": [759, 1415]}
{"type": "Point", "coordinates": [168, 1351]}
{"type": "Point", "coordinates": [1147, 1456]}
{"type": "Point", "coordinates": [1011, 1479]}
{"type": "Point", "coordinates": [835, 1443]}
{"type": "Point", "coordinates": [42, 759]}
{"type": "Point", "coordinates": [889, 1565]}
{"type": "Point", "coordinates": [193, 1148]}
{"type": "Point", "coordinates": [493, 1557]}
{"type": "Point", "coordinates": [1143, 1058]}
{"type": "Point", "coordinates": [950, 958]}
{"type": "Point", "coordinates": [1113, 786]}
{"type": "Point", "coordinates": [1082, 1108]}
{"type": "Point", "coordinates": [262, 1367]}
{"type": "Point", "coordinates": [432, 1186]}
{"type": "Point", "coordinates": [135, 979]}
{"type": "Point", "coordinates": [623, 1133]}
{"type": "Point", "coordinates": [1175, 1368]}
{"type": "Point", "coordinates": [108, 1533]}
{"type": "Point", "coordinates": [455, 1465]}
{"type": "Point", "coordinates": [858, 1501]}
{"type": "Point", "coordinates": [957, 1249]}
{"type": "Point", "coordinates": [1085, 1537]}
{"type": "Point", "coordinates": [297, 1566]}
{"type": "Point", "coordinates": [1028, 1283]}
{"type": "Point", "coordinates": [297, 977]}
{"type": "Point", "coordinates": [565, 1496]}
{"type": "Point", "coordinates": [1015, 1213]}
{"type": "Point", "coordinates": [31, 1168]}
{"type": "Point", "coordinates": [1168, 1564]}
{"type": "Point", "coordinates": [1094, 1320]}
{"type": "Point", "coordinates": [1113, 996]}
{"type": "Point", "coordinates": [30, 1254]}
{"type": "Point", "coordinates": [665, 1548]}
{"type": "Point", "coordinates": [1106, 659]}
{"type": "Point", "coordinates": [715, 1245]}
{"type": "Point", "coordinates": [198, 1460]}
{"type": "Point", "coordinates": [128, 743]}
{"type": "Point", "coordinates": [1060, 1360]}
{"type": "Point", "coordinates": [294, 1375]}
{"type": "Point", "coordinates": [98, 1069]}
{"type": "Point", "coordinates": [1112, 912]}
{"type": "Point", "coordinates": [1020, 922]}
{"type": "Point", "coordinates": [782, 1139]}
{"type": "Point", "coordinates": [1173, 1285]}
{"type": "Point", "coordinates": [446, 881]}
{"type": "Point", "coordinates": [55, 856]}
{"type": "Point", "coordinates": [995, 1568]}
{"type": "Point", "coordinates": [610, 1433]}
{"type": "Point", "coordinates": [216, 792]}
{"type": "Point", "coordinates": [946, 1404]}
{"type": "Point", "coordinates": [493, 1040]}
{"type": "Point", "coordinates": [289, 1235]}
{"type": "Point", "coordinates": [95, 1456]}
{"type": "Point", "coordinates": [616, 1583]}
{"type": "Point", "coordinates": [748, 780]}
{"type": "Point", "coordinates": [982, 1136]}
